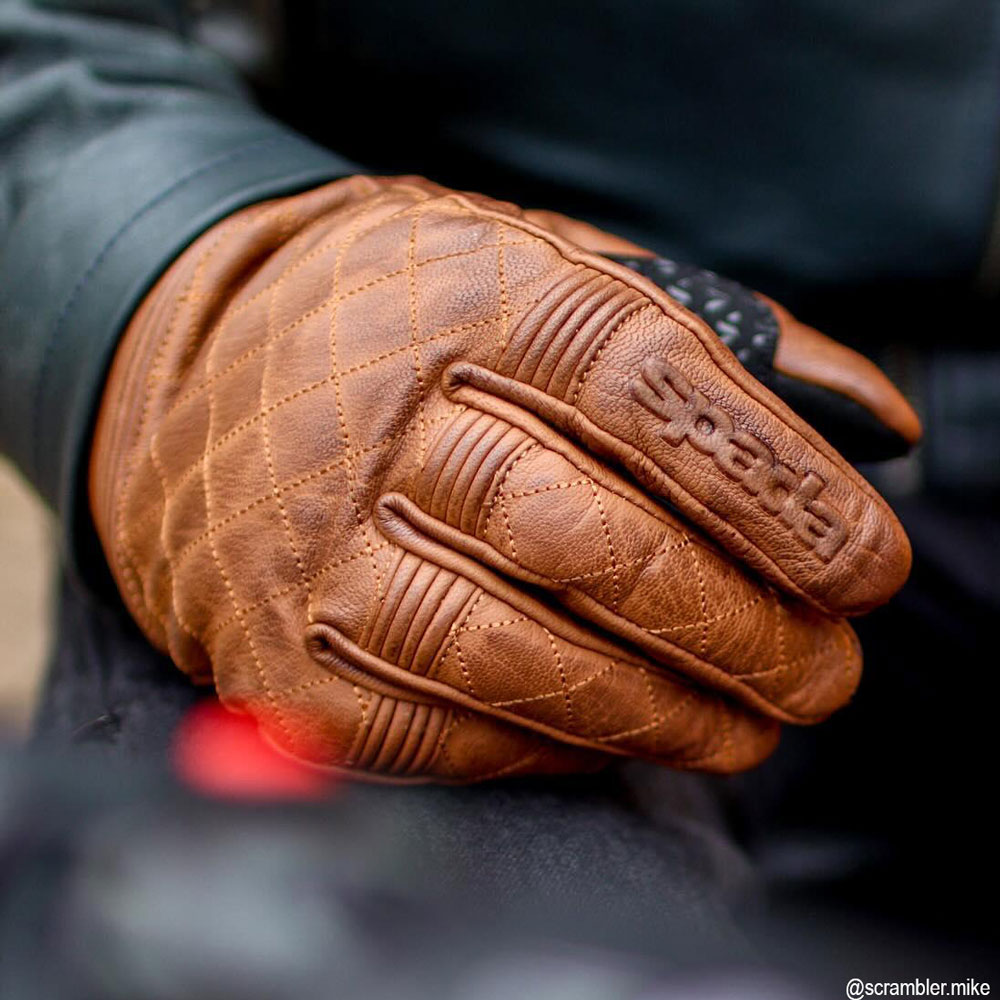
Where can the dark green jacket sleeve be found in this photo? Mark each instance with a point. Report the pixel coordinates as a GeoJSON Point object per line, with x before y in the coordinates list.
{"type": "Point", "coordinates": [120, 142]}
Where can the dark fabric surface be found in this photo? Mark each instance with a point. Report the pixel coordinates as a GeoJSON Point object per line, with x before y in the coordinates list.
{"type": "Point", "coordinates": [107, 689]}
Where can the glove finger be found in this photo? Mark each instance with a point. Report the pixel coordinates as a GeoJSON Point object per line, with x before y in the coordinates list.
{"type": "Point", "coordinates": [450, 629]}
{"type": "Point", "coordinates": [629, 373]}
{"type": "Point", "coordinates": [333, 717]}
{"type": "Point", "coordinates": [515, 495]}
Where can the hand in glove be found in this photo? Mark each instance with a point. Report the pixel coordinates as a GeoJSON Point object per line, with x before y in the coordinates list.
{"type": "Point", "coordinates": [434, 492]}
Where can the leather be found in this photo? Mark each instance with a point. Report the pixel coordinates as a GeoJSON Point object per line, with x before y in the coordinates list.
{"type": "Point", "coordinates": [436, 493]}
{"type": "Point", "coordinates": [810, 356]}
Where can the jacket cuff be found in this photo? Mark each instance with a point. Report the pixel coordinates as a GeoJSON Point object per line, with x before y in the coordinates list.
{"type": "Point", "coordinates": [81, 256]}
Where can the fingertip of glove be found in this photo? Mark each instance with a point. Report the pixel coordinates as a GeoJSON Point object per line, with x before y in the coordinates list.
{"type": "Point", "coordinates": [874, 565]}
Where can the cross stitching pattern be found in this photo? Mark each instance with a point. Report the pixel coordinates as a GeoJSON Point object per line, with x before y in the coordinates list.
{"type": "Point", "coordinates": [276, 400]}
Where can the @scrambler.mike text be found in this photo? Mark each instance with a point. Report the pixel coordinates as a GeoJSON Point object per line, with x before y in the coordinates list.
{"type": "Point", "coordinates": [857, 988]}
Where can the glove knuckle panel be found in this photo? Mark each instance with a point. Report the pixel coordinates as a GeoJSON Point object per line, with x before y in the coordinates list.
{"type": "Point", "coordinates": [555, 338]}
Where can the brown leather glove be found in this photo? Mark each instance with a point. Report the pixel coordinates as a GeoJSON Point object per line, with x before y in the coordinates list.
{"type": "Point", "coordinates": [433, 492]}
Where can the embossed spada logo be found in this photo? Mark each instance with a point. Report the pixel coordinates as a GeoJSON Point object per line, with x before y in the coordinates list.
{"type": "Point", "coordinates": [779, 490]}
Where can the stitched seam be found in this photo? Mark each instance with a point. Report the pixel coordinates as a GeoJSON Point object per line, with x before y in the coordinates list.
{"type": "Point", "coordinates": [441, 464]}
{"type": "Point", "coordinates": [521, 762]}
{"type": "Point", "coordinates": [727, 739]}
{"type": "Point", "coordinates": [701, 594]}
{"type": "Point", "coordinates": [687, 540]}
{"type": "Point", "coordinates": [554, 298]}
{"type": "Point", "coordinates": [256, 502]}
{"type": "Point", "coordinates": [682, 703]}
{"type": "Point", "coordinates": [563, 485]}
{"type": "Point", "coordinates": [254, 653]}
{"type": "Point", "coordinates": [815, 652]}
{"type": "Point", "coordinates": [452, 636]}
{"type": "Point", "coordinates": [500, 498]}
{"type": "Point", "coordinates": [488, 625]}
{"type": "Point", "coordinates": [622, 734]}
{"type": "Point", "coordinates": [660, 550]}
{"type": "Point", "coordinates": [274, 287]}
{"type": "Point", "coordinates": [615, 568]}
{"type": "Point", "coordinates": [331, 300]}
{"type": "Point", "coordinates": [126, 549]}
{"type": "Point", "coordinates": [552, 694]}
{"type": "Point", "coordinates": [411, 282]}
{"type": "Point", "coordinates": [616, 586]}
{"type": "Point", "coordinates": [126, 555]}
{"type": "Point", "coordinates": [291, 588]}
{"type": "Point", "coordinates": [654, 710]}
{"type": "Point", "coordinates": [676, 529]}
{"type": "Point", "coordinates": [601, 294]}
{"type": "Point", "coordinates": [172, 566]}
{"type": "Point", "coordinates": [864, 488]}
{"type": "Point", "coordinates": [285, 487]}
{"type": "Point", "coordinates": [510, 533]}
{"type": "Point", "coordinates": [498, 495]}
{"type": "Point", "coordinates": [463, 666]}
{"type": "Point", "coordinates": [780, 615]}
{"type": "Point", "coordinates": [272, 475]}
{"type": "Point", "coordinates": [570, 721]}
{"type": "Point", "coordinates": [585, 479]}
{"type": "Point", "coordinates": [441, 749]}
{"type": "Point", "coordinates": [732, 613]}
{"type": "Point", "coordinates": [305, 390]}
{"type": "Point", "coordinates": [362, 725]}
{"type": "Point", "coordinates": [502, 281]}
{"type": "Point", "coordinates": [309, 685]}
{"type": "Point", "coordinates": [607, 340]}
{"type": "Point", "coordinates": [299, 262]}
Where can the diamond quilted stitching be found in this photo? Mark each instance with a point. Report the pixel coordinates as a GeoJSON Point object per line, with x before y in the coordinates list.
{"type": "Point", "coordinates": [364, 331]}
